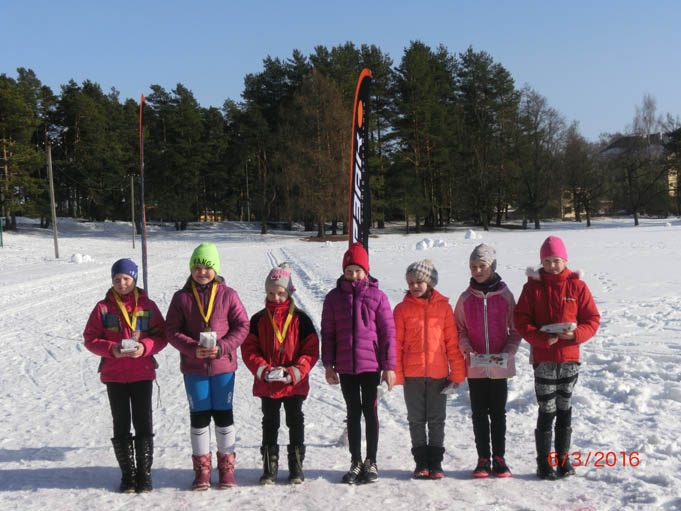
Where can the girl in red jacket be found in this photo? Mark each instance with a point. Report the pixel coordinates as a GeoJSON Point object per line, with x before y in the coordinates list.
{"type": "Point", "coordinates": [126, 330]}
{"type": "Point", "coordinates": [488, 340]}
{"type": "Point", "coordinates": [428, 362]}
{"type": "Point", "coordinates": [280, 350]}
{"type": "Point", "coordinates": [555, 314]}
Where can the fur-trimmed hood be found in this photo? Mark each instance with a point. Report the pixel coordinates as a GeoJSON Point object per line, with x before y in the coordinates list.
{"type": "Point", "coordinates": [534, 273]}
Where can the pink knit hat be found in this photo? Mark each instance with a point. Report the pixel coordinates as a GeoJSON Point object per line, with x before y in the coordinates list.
{"type": "Point", "coordinates": [553, 246]}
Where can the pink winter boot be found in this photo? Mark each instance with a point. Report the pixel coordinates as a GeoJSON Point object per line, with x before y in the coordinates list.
{"type": "Point", "coordinates": [202, 468]}
{"type": "Point", "coordinates": [226, 469]}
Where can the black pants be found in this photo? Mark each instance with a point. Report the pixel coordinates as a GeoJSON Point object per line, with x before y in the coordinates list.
{"type": "Point", "coordinates": [295, 420]}
{"type": "Point", "coordinates": [360, 393]}
{"type": "Point", "coordinates": [488, 403]}
{"type": "Point", "coordinates": [127, 397]}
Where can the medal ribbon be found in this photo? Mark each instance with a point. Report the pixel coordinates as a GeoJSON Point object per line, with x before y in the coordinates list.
{"type": "Point", "coordinates": [131, 323]}
{"type": "Point", "coordinates": [282, 335]}
{"type": "Point", "coordinates": [205, 316]}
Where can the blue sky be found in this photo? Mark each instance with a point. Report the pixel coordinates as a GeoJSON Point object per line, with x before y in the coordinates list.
{"type": "Point", "coordinates": [592, 60]}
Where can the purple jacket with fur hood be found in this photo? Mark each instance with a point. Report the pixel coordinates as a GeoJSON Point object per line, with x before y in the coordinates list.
{"type": "Point", "coordinates": [358, 330]}
{"type": "Point", "coordinates": [184, 324]}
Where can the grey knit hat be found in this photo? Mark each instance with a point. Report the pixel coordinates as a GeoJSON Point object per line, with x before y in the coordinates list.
{"type": "Point", "coordinates": [423, 270]}
{"type": "Point", "coordinates": [486, 254]}
{"type": "Point", "coordinates": [280, 276]}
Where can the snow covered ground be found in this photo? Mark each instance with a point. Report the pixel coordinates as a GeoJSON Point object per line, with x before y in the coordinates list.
{"type": "Point", "coordinates": [55, 422]}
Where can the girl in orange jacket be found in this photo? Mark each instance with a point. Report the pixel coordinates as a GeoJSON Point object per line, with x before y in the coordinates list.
{"type": "Point", "coordinates": [429, 364]}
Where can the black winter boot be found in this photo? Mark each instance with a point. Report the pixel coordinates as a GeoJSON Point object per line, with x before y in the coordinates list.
{"type": "Point", "coordinates": [270, 463]}
{"type": "Point", "coordinates": [563, 437]}
{"type": "Point", "coordinates": [296, 455]}
{"type": "Point", "coordinates": [435, 456]}
{"type": "Point", "coordinates": [126, 460]}
{"type": "Point", "coordinates": [543, 443]}
{"type": "Point", "coordinates": [421, 459]}
{"type": "Point", "coordinates": [144, 453]}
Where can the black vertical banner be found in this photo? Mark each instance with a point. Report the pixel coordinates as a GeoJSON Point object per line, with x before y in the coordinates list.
{"type": "Point", "coordinates": [359, 215]}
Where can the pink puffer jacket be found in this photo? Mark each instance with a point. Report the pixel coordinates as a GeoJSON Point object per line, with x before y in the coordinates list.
{"type": "Point", "coordinates": [184, 324]}
{"type": "Point", "coordinates": [485, 325]}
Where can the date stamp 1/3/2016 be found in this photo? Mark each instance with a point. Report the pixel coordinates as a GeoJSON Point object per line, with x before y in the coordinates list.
{"type": "Point", "coordinates": [598, 459]}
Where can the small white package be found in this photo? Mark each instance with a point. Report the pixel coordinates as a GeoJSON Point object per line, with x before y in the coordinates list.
{"type": "Point", "coordinates": [128, 345]}
{"type": "Point", "coordinates": [558, 328]}
{"type": "Point", "coordinates": [491, 360]}
{"type": "Point", "coordinates": [208, 339]}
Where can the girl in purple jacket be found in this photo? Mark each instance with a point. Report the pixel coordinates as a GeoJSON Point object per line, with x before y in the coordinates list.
{"type": "Point", "coordinates": [358, 344]}
{"type": "Point", "coordinates": [206, 322]}
{"type": "Point", "coordinates": [488, 341]}
{"type": "Point", "coordinates": [126, 330]}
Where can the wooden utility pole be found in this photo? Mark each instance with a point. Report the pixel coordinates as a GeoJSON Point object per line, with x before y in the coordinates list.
{"type": "Point", "coordinates": [53, 207]}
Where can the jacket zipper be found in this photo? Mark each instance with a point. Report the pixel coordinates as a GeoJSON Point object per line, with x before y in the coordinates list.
{"type": "Point", "coordinates": [484, 301]}
{"type": "Point", "coordinates": [354, 356]}
{"type": "Point", "coordinates": [425, 334]}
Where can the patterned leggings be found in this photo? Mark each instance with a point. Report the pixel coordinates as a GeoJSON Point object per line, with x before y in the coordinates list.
{"type": "Point", "coordinates": [553, 385]}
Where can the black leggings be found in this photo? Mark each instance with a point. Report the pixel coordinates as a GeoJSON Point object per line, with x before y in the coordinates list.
{"type": "Point", "coordinates": [360, 393]}
{"type": "Point", "coordinates": [127, 397]}
{"type": "Point", "coordinates": [222, 418]}
{"type": "Point", "coordinates": [295, 420]}
{"type": "Point", "coordinates": [488, 403]}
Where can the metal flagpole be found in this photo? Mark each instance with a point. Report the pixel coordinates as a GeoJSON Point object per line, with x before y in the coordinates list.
{"type": "Point", "coordinates": [144, 211]}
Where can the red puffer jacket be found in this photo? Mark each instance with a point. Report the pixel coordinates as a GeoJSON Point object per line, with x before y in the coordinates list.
{"type": "Point", "coordinates": [298, 353]}
{"type": "Point", "coordinates": [547, 299]}
{"type": "Point", "coordinates": [106, 327]}
{"type": "Point", "coordinates": [426, 340]}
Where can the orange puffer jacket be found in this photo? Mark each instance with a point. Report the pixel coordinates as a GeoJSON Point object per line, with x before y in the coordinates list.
{"type": "Point", "coordinates": [427, 340]}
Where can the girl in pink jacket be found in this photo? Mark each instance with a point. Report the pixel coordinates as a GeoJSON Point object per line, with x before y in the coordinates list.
{"type": "Point", "coordinates": [207, 322]}
{"type": "Point", "coordinates": [488, 341]}
{"type": "Point", "coordinates": [126, 330]}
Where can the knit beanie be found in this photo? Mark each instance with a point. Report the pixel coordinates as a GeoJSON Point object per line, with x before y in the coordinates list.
{"type": "Point", "coordinates": [356, 254]}
{"type": "Point", "coordinates": [485, 253]}
{"type": "Point", "coordinates": [424, 271]}
{"type": "Point", "coordinates": [280, 276]}
{"type": "Point", "coordinates": [553, 246]}
{"type": "Point", "coordinates": [206, 254]}
{"type": "Point", "coordinates": [125, 266]}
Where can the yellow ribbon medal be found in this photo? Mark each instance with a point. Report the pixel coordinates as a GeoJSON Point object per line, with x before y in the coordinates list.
{"type": "Point", "coordinates": [132, 323]}
{"type": "Point", "coordinates": [281, 335]}
{"type": "Point", "coordinates": [206, 315]}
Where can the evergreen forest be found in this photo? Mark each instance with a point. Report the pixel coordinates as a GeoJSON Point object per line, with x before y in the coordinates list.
{"type": "Point", "coordinates": [452, 139]}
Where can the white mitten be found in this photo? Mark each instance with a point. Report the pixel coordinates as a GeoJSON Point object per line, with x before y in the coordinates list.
{"type": "Point", "coordinates": [450, 388]}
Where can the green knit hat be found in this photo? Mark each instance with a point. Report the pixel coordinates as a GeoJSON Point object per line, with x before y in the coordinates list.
{"type": "Point", "coordinates": [206, 254]}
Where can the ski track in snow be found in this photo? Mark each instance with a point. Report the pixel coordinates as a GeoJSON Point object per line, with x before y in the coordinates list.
{"type": "Point", "coordinates": [56, 424]}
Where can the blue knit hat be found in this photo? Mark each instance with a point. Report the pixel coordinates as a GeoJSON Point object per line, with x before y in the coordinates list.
{"type": "Point", "coordinates": [126, 266]}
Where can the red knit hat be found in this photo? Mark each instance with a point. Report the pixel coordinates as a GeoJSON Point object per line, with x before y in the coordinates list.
{"type": "Point", "coordinates": [356, 255]}
{"type": "Point", "coordinates": [553, 246]}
